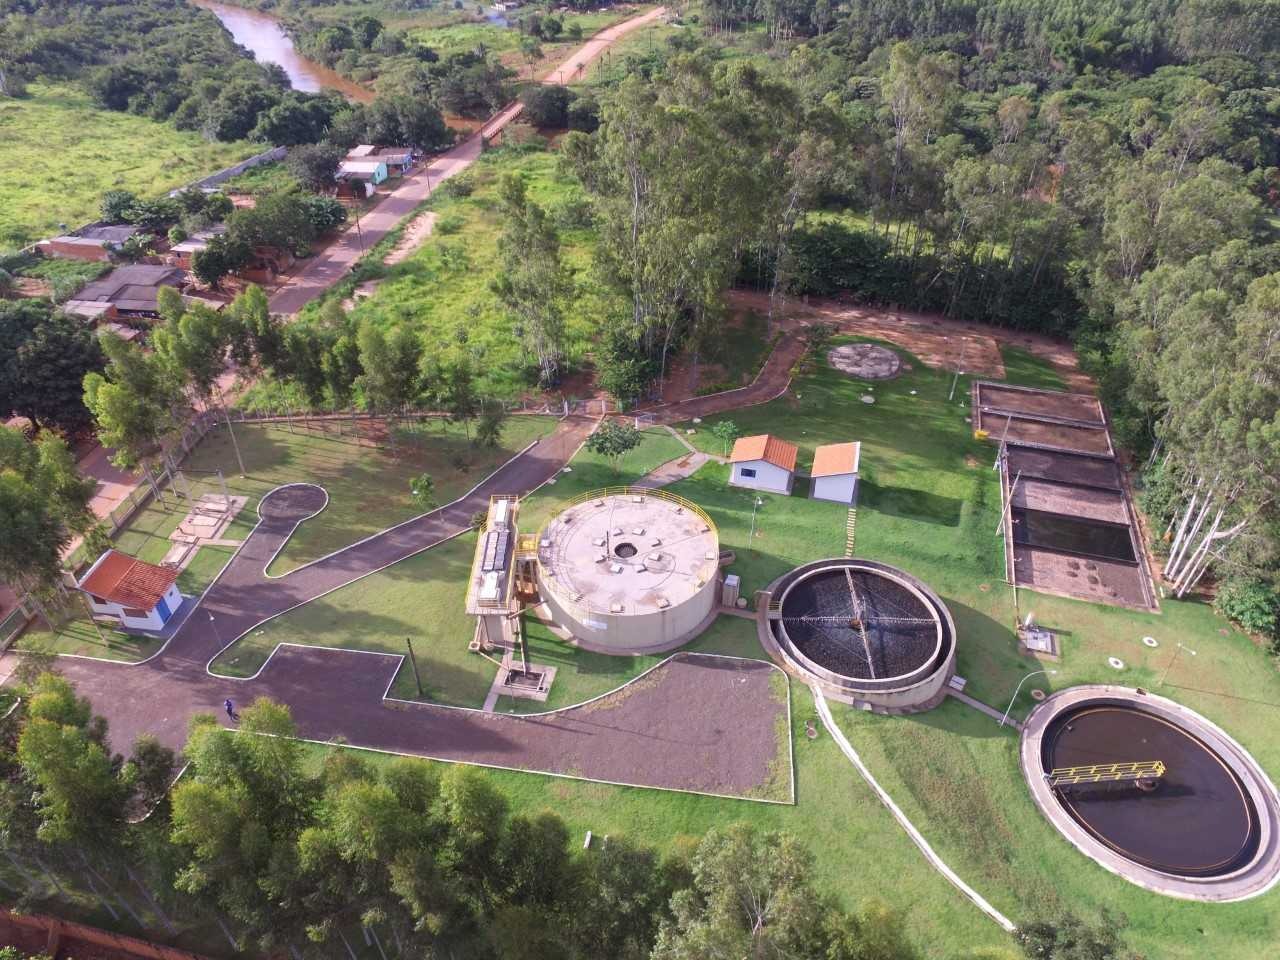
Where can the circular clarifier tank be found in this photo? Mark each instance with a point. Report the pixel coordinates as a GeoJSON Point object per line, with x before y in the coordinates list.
{"type": "Point", "coordinates": [629, 569]}
{"type": "Point", "coordinates": [1154, 792]}
{"type": "Point", "coordinates": [869, 630]}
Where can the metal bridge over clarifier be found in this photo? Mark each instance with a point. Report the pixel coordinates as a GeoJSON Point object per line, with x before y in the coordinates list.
{"type": "Point", "coordinates": [1145, 770]}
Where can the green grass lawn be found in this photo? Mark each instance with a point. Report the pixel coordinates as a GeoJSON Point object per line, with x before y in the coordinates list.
{"type": "Point", "coordinates": [264, 178]}
{"type": "Point", "coordinates": [203, 568]}
{"type": "Point", "coordinates": [1027, 370]}
{"type": "Point", "coordinates": [423, 598]}
{"type": "Point", "coordinates": [368, 486]}
{"type": "Point", "coordinates": [443, 289]}
{"type": "Point", "coordinates": [83, 152]}
{"type": "Point", "coordinates": [368, 491]}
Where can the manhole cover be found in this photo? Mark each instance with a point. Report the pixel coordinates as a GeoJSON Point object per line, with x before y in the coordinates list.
{"type": "Point", "coordinates": [869, 361]}
{"type": "Point", "coordinates": [1115, 663]}
{"type": "Point", "coordinates": [1151, 641]}
{"type": "Point", "coordinates": [1037, 694]}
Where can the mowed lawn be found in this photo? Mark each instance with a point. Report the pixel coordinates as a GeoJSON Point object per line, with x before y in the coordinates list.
{"type": "Point", "coordinates": [368, 489]}
{"type": "Point", "coordinates": [61, 153]}
{"type": "Point", "coordinates": [422, 598]}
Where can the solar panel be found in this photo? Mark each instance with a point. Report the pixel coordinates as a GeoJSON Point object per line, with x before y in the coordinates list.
{"type": "Point", "coordinates": [494, 555]}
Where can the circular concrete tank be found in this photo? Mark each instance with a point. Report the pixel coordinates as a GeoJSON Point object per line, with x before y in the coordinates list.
{"type": "Point", "coordinates": [629, 570]}
{"type": "Point", "coordinates": [866, 632]}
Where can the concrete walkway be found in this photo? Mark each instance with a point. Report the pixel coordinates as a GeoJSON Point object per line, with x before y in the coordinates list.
{"type": "Point", "coordinates": [992, 712]}
{"type": "Point", "coordinates": [672, 471]}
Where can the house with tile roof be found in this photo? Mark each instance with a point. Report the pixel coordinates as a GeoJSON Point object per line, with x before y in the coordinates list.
{"type": "Point", "coordinates": [142, 596]}
{"type": "Point", "coordinates": [835, 472]}
{"type": "Point", "coordinates": [763, 462]}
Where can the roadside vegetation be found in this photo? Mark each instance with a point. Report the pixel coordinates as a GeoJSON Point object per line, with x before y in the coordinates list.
{"type": "Point", "coordinates": [85, 151]}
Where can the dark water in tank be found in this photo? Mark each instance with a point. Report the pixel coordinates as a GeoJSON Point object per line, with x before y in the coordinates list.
{"type": "Point", "coordinates": [1198, 821]}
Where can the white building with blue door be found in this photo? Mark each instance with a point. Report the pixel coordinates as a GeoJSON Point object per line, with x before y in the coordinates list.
{"type": "Point", "coordinates": [141, 596]}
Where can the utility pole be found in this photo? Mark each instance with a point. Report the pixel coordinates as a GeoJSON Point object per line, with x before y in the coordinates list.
{"type": "Point", "coordinates": [417, 680]}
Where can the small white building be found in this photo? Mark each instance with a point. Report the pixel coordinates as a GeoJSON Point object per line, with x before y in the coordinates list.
{"type": "Point", "coordinates": [835, 472]}
{"type": "Point", "coordinates": [763, 462]}
{"type": "Point", "coordinates": [142, 596]}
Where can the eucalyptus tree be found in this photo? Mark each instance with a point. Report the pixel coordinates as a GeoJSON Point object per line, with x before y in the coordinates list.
{"type": "Point", "coordinates": [533, 284]}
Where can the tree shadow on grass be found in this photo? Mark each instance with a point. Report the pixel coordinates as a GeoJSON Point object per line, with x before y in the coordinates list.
{"type": "Point", "coordinates": [910, 504]}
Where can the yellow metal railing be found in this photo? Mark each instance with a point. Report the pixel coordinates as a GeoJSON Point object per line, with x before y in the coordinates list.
{"type": "Point", "coordinates": [1106, 773]}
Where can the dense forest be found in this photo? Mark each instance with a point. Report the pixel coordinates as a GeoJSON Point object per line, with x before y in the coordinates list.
{"type": "Point", "coordinates": [164, 59]}
{"type": "Point", "coordinates": [1101, 171]}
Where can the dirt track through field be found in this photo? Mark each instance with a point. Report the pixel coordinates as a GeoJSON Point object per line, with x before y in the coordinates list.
{"type": "Point", "coordinates": [700, 723]}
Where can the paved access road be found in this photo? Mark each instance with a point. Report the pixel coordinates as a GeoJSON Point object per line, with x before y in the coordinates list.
{"type": "Point", "coordinates": [331, 265]}
{"type": "Point", "coordinates": [674, 733]}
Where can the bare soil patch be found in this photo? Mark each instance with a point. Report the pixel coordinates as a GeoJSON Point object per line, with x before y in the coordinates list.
{"type": "Point", "coordinates": [1066, 406]}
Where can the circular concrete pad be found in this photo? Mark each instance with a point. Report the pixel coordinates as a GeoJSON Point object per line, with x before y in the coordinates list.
{"type": "Point", "coordinates": [869, 361]}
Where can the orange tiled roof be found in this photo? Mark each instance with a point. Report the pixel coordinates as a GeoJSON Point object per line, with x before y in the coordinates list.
{"type": "Point", "coordinates": [834, 459]}
{"type": "Point", "coordinates": [765, 447]}
{"type": "Point", "coordinates": [130, 582]}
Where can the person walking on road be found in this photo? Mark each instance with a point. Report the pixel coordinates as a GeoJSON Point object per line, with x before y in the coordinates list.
{"type": "Point", "coordinates": [231, 710]}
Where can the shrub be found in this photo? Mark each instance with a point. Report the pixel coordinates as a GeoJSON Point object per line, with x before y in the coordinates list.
{"type": "Point", "coordinates": [1253, 604]}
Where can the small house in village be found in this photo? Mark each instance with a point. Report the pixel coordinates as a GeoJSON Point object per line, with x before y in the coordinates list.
{"type": "Point", "coordinates": [127, 292]}
{"type": "Point", "coordinates": [141, 596]}
{"type": "Point", "coordinates": [182, 254]}
{"type": "Point", "coordinates": [360, 177]}
{"type": "Point", "coordinates": [763, 462]}
{"type": "Point", "coordinates": [94, 243]}
{"type": "Point", "coordinates": [397, 159]}
{"type": "Point", "coordinates": [835, 472]}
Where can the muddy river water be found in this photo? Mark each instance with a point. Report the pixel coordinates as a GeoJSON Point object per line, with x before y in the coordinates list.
{"type": "Point", "coordinates": [263, 35]}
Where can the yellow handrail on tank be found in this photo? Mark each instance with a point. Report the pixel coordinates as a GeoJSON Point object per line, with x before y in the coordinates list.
{"type": "Point", "coordinates": [1106, 773]}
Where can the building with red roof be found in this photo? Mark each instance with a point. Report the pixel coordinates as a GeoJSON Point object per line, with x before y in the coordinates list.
{"type": "Point", "coordinates": [763, 462]}
{"type": "Point", "coordinates": [142, 596]}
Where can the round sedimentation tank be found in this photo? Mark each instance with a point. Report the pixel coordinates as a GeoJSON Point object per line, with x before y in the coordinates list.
{"type": "Point", "coordinates": [866, 631]}
{"type": "Point", "coordinates": [1154, 792]}
{"type": "Point", "coordinates": [629, 570]}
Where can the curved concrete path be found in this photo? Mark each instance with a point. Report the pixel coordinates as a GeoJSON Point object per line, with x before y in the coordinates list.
{"type": "Point", "coordinates": [703, 724]}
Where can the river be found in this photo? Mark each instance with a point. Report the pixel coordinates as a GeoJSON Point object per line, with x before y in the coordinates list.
{"type": "Point", "coordinates": [262, 34]}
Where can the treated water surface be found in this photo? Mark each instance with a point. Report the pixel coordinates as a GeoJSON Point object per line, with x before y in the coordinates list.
{"type": "Point", "coordinates": [1198, 819]}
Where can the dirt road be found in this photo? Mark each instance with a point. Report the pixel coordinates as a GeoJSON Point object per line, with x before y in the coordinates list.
{"type": "Point", "coordinates": [338, 258]}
